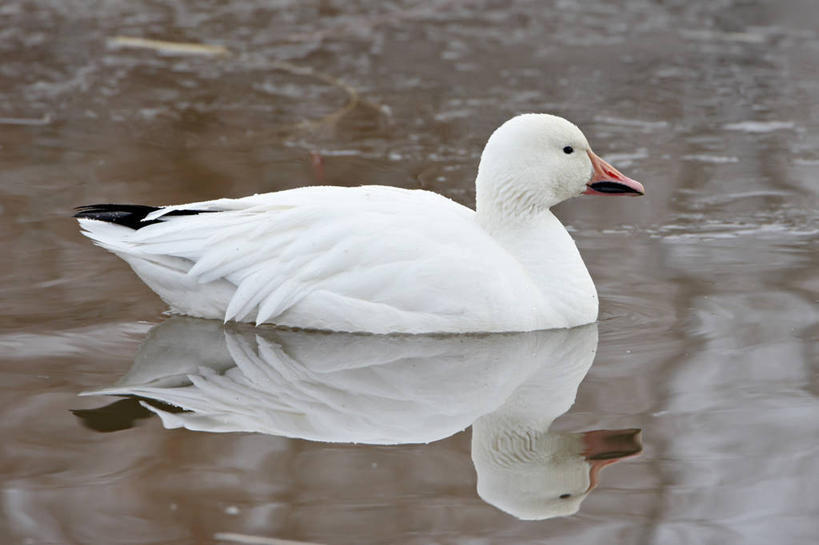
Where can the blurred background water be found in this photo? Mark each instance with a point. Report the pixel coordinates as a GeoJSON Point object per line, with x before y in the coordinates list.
{"type": "Point", "coordinates": [708, 284]}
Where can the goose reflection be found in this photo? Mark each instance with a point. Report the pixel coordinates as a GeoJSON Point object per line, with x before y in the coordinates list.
{"type": "Point", "coordinates": [391, 389]}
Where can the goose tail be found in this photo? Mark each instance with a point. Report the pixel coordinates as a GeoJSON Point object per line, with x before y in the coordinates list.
{"type": "Point", "coordinates": [110, 225]}
{"type": "Point", "coordinates": [132, 216]}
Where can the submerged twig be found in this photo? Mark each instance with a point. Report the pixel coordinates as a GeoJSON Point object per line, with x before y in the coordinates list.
{"type": "Point", "coordinates": [256, 540]}
{"type": "Point", "coordinates": [162, 46]}
{"type": "Point", "coordinates": [45, 120]}
{"type": "Point", "coordinates": [332, 118]}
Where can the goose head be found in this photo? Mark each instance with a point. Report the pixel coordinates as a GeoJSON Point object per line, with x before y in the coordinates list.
{"type": "Point", "coordinates": [535, 161]}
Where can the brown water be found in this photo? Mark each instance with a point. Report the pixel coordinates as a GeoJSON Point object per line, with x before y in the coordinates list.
{"type": "Point", "coordinates": [708, 285]}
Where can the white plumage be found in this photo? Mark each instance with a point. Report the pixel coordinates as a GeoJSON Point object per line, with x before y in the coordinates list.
{"type": "Point", "coordinates": [381, 259]}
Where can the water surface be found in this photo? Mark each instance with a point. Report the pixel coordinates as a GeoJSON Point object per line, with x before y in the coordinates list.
{"type": "Point", "coordinates": [708, 329]}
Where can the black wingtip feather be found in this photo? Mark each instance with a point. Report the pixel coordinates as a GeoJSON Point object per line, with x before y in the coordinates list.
{"type": "Point", "coordinates": [129, 215]}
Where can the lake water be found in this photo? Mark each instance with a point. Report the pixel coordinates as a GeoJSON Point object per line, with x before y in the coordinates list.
{"type": "Point", "coordinates": [707, 339]}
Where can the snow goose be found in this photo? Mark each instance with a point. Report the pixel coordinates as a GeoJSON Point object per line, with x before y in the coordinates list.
{"type": "Point", "coordinates": [381, 259]}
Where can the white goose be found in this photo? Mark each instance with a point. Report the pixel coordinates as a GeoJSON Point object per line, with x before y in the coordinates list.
{"type": "Point", "coordinates": [381, 259]}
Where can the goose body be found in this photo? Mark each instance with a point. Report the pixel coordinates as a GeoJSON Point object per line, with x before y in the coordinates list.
{"type": "Point", "coordinates": [381, 259]}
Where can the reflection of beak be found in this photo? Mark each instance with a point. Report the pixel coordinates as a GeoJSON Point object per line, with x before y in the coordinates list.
{"type": "Point", "coordinates": [604, 447]}
{"type": "Point", "coordinates": [607, 180]}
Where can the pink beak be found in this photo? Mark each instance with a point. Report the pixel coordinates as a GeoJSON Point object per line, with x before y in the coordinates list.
{"type": "Point", "coordinates": [607, 180]}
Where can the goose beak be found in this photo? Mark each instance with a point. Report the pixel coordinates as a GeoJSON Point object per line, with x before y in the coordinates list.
{"type": "Point", "coordinates": [607, 180]}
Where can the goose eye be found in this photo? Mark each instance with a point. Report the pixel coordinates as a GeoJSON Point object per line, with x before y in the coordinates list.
{"type": "Point", "coordinates": [568, 149]}
{"type": "Point", "coordinates": [565, 496]}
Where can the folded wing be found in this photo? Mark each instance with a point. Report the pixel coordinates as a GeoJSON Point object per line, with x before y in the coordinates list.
{"type": "Point", "coordinates": [316, 257]}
